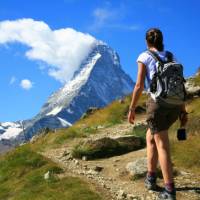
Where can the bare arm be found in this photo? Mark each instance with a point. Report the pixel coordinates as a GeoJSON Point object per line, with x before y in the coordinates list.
{"type": "Point", "coordinates": [139, 86]}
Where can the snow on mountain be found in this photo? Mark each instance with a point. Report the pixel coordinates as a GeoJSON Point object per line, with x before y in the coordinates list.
{"type": "Point", "coordinates": [55, 111]}
{"type": "Point", "coordinates": [70, 90]}
{"type": "Point", "coordinates": [9, 130]}
{"type": "Point", "coordinates": [64, 122]}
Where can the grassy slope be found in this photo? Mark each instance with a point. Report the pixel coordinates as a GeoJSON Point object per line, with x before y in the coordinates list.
{"type": "Point", "coordinates": [116, 113]}
{"type": "Point", "coordinates": [186, 153]}
{"type": "Point", "coordinates": [22, 177]}
{"type": "Point", "coordinates": [22, 170]}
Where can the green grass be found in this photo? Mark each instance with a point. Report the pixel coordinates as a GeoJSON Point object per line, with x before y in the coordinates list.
{"type": "Point", "coordinates": [140, 131]}
{"type": "Point", "coordinates": [22, 170]}
{"type": "Point", "coordinates": [22, 178]}
{"type": "Point", "coordinates": [186, 153]}
{"type": "Point", "coordinates": [114, 113]}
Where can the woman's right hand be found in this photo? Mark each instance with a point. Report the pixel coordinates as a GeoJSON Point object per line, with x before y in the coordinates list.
{"type": "Point", "coordinates": [131, 116]}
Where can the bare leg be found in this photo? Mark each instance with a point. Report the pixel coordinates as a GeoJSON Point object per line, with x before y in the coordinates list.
{"type": "Point", "coordinates": [152, 153]}
{"type": "Point", "coordinates": [162, 143]}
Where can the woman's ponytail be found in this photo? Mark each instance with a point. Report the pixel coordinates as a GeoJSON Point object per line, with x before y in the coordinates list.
{"type": "Point", "coordinates": [154, 37]}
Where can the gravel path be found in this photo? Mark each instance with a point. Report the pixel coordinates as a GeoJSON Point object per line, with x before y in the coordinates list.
{"type": "Point", "coordinates": [110, 175]}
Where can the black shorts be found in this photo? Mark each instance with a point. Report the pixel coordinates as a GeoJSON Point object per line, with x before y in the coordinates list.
{"type": "Point", "coordinates": [159, 117]}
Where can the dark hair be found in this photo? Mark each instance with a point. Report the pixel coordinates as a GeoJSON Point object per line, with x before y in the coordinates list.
{"type": "Point", "coordinates": [154, 37]}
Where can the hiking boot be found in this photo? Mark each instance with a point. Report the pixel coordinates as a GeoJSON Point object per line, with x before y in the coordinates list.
{"type": "Point", "coordinates": [166, 195]}
{"type": "Point", "coordinates": [150, 183]}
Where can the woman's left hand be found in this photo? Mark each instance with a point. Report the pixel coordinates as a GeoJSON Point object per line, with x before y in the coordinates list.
{"type": "Point", "coordinates": [131, 116]}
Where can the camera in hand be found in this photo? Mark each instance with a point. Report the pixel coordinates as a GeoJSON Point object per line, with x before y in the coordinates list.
{"type": "Point", "coordinates": [181, 134]}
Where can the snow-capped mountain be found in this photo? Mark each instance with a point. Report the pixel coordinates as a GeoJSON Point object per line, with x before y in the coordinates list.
{"type": "Point", "coordinates": [8, 132]}
{"type": "Point", "coordinates": [10, 129]}
{"type": "Point", "coordinates": [98, 81]}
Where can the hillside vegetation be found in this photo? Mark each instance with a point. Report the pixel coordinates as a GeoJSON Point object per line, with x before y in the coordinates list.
{"type": "Point", "coordinates": [22, 169]}
{"type": "Point", "coordinates": [116, 113]}
{"type": "Point", "coordinates": [22, 177]}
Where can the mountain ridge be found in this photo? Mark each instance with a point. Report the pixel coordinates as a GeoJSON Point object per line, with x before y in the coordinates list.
{"type": "Point", "coordinates": [99, 80]}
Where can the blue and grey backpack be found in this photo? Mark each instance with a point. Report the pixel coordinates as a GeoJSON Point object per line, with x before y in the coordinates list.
{"type": "Point", "coordinates": [167, 86]}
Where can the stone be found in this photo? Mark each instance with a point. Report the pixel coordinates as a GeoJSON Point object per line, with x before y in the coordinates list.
{"type": "Point", "coordinates": [107, 146]}
{"type": "Point", "coordinates": [85, 167]}
{"type": "Point", "coordinates": [100, 126]}
{"type": "Point", "coordinates": [192, 89]}
{"type": "Point", "coordinates": [34, 138]}
{"type": "Point", "coordinates": [85, 158]}
{"type": "Point", "coordinates": [132, 197]}
{"type": "Point", "coordinates": [121, 195]}
{"type": "Point", "coordinates": [98, 168]}
{"type": "Point", "coordinates": [92, 172]}
{"type": "Point", "coordinates": [140, 109]}
{"type": "Point", "coordinates": [91, 110]}
{"type": "Point", "coordinates": [47, 175]}
{"type": "Point", "coordinates": [137, 167]}
{"type": "Point", "coordinates": [121, 101]}
{"type": "Point", "coordinates": [76, 162]}
{"type": "Point", "coordinates": [65, 153]}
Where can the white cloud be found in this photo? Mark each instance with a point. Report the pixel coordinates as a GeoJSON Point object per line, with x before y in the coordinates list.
{"type": "Point", "coordinates": [63, 49]}
{"type": "Point", "coordinates": [12, 80]}
{"type": "Point", "coordinates": [26, 84]}
{"type": "Point", "coordinates": [111, 18]}
{"type": "Point", "coordinates": [102, 16]}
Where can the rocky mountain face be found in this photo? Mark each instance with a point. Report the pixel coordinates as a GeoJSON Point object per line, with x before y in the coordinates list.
{"type": "Point", "coordinates": [193, 86]}
{"type": "Point", "coordinates": [98, 81]}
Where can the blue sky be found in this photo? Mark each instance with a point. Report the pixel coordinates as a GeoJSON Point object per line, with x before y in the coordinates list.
{"type": "Point", "coordinates": [26, 83]}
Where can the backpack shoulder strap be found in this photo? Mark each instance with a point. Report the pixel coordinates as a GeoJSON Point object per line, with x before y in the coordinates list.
{"type": "Point", "coordinates": [169, 56]}
{"type": "Point", "coordinates": [155, 56]}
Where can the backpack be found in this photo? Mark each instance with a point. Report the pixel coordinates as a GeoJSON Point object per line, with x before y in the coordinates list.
{"type": "Point", "coordinates": [167, 85]}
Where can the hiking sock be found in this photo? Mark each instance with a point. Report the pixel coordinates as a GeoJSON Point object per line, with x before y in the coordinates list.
{"type": "Point", "coordinates": [151, 174]}
{"type": "Point", "coordinates": [170, 187]}
{"type": "Point", "coordinates": [150, 181]}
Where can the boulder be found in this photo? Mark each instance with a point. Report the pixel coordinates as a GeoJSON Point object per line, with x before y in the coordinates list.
{"type": "Point", "coordinates": [140, 109]}
{"type": "Point", "coordinates": [138, 167]}
{"type": "Point", "coordinates": [89, 111]}
{"type": "Point", "coordinates": [107, 147]}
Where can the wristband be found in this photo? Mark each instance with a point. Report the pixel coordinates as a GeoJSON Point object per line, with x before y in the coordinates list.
{"type": "Point", "coordinates": [131, 109]}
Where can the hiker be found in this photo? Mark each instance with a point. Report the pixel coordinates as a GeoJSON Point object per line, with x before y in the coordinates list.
{"type": "Point", "coordinates": [160, 116]}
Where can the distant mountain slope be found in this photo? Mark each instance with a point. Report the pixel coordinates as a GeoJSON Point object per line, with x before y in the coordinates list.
{"type": "Point", "coordinates": [98, 81]}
